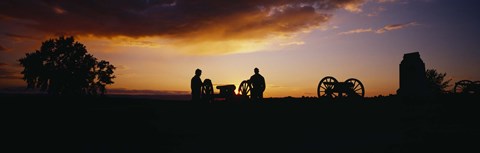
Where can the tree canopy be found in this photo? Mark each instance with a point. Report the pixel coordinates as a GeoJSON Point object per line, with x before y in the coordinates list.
{"type": "Point", "coordinates": [63, 66]}
{"type": "Point", "coordinates": [436, 82]}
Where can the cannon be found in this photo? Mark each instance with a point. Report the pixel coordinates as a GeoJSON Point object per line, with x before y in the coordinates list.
{"type": "Point", "coordinates": [244, 89]}
{"type": "Point", "coordinates": [226, 91]}
{"type": "Point", "coordinates": [207, 91]}
{"type": "Point", "coordinates": [330, 87]}
{"type": "Point", "coordinates": [467, 86]}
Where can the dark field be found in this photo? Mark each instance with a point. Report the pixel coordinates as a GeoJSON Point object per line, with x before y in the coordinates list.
{"type": "Point", "coordinates": [103, 124]}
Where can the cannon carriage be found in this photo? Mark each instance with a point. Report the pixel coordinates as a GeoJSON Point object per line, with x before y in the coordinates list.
{"type": "Point", "coordinates": [227, 91]}
{"type": "Point", "coordinates": [330, 87]}
{"type": "Point", "coordinates": [467, 87]}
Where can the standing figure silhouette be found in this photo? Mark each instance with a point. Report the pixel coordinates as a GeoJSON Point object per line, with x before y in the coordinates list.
{"type": "Point", "coordinates": [258, 85]}
{"type": "Point", "coordinates": [196, 85]}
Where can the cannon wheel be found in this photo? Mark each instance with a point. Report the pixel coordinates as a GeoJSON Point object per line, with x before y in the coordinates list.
{"type": "Point", "coordinates": [325, 87]}
{"type": "Point", "coordinates": [207, 90]}
{"type": "Point", "coordinates": [476, 87]}
{"type": "Point", "coordinates": [357, 87]}
{"type": "Point", "coordinates": [244, 88]}
{"type": "Point", "coordinates": [462, 86]}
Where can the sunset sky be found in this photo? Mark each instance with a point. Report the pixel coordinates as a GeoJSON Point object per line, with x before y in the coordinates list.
{"type": "Point", "coordinates": [156, 45]}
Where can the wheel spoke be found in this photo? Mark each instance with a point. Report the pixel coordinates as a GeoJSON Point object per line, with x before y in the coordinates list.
{"type": "Point", "coordinates": [356, 85]}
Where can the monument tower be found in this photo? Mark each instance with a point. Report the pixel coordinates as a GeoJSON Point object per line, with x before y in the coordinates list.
{"type": "Point", "coordinates": [413, 81]}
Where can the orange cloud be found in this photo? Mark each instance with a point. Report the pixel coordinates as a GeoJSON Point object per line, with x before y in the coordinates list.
{"type": "Point", "coordinates": [293, 43]}
{"type": "Point", "coordinates": [59, 10]}
{"type": "Point", "coordinates": [172, 18]}
{"type": "Point", "coordinates": [354, 6]}
{"type": "Point", "coordinates": [391, 27]}
{"type": "Point", "coordinates": [355, 31]}
{"type": "Point", "coordinates": [385, 1]}
{"type": "Point", "coordinates": [384, 29]}
{"type": "Point", "coordinates": [220, 23]}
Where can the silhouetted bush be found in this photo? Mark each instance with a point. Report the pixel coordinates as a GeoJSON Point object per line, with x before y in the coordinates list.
{"type": "Point", "coordinates": [63, 66]}
{"type": "Point", "coordinates": [436, 82]}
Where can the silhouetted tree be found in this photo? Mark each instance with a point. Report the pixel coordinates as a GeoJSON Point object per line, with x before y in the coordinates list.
{"type": "Point", "coordinates": [436, 82]}
{"type": "Point", "coordinates": [63, 66]}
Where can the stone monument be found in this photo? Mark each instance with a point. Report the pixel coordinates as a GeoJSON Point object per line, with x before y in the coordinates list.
{"type": "Point", "coordinates": [413, 81]}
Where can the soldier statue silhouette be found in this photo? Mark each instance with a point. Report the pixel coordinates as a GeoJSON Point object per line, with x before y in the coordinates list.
{"type": "Point", "coordinates": [258, 85]}
{"type": "Point", "coordinates": [196, 85]}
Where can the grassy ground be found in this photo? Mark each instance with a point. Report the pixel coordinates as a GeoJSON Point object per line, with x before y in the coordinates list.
{"type": "Point", "coordinates": [106, 124]}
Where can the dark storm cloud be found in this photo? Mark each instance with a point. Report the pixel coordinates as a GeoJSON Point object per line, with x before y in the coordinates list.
{"type": "Point", "coordinates": [20, 37]}
{"type": "Point", "coordinates": [7, 73]}
{"type": "Point", "coordinates": [172, 18]}
{"type": "Point", "coordinates": [2, 49]}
